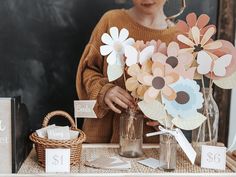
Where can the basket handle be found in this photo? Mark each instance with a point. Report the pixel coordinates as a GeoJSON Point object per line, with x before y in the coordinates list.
{"type": "Point", "coordinates": [58, 113]}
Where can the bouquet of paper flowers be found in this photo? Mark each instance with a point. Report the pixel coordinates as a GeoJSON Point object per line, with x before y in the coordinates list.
{"type": "Point", "coordinates": [161, 77]}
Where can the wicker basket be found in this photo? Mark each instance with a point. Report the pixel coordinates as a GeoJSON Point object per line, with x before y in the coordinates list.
{"type": "Point", "coordinates": [75, 145]}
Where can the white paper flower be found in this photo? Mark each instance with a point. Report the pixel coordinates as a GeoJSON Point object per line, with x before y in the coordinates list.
{"type": "Point", "coordinates": [188, 99]}
{"type": "Point", "coordinates": [114, 45]}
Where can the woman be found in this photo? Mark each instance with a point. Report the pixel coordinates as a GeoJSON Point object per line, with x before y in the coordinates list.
{"type": "Point", "coordinates": [145, 21]}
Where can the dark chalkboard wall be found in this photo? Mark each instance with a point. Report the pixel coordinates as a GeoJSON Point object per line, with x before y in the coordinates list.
{"type": "Point", "coordinates": [41, 42]}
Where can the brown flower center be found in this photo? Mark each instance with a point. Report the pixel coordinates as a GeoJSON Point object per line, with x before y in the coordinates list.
{"type": "Point", "coordinates": [158, 83]}
{"type": "Point", "coordinates": [198, 48]}
{"type": "Point", "coordinates": [182, 97]}
{"type": "Point", "coordinates": [172, 61]}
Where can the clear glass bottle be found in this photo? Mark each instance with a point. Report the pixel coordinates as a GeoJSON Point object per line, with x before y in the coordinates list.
{"type": "Point", "coordinates": [207, 133]}
{"type": "Point", "coordinates": [168, 152]}
{"type": "Point", "coordinates": [131, 133]}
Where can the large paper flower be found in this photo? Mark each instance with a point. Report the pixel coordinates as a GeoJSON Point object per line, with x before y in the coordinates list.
{"type": "Point", "coordinates": [188, 99]}
{"type": "Point", "coordinates": [179, 62]}
{"type": "Point", "coordinates": [198, 43]}
{"type": "Point", "coordinates": [158, 82]}
{"type": "Point", "coordinates": [191, 21]}
{"type": "Point", "coordinates": [114, 45]}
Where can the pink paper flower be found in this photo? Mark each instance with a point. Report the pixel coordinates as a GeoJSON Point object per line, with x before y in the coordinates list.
{"type": "Point", "coordinates": [174, 60]}
{"type": "Point", "coordinates": [158, 82]}
{"type": "Point", "coordinates": [191, 21]}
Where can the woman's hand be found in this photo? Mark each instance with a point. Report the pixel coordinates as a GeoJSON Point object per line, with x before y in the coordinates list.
{"type": "Point", "coordinates": [120, 97]}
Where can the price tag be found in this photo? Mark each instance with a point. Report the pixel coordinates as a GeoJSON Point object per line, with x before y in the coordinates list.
{"type": "Point", "coordinates": [57, 160]}
{"type": "Point", "coordinates": [84, 109]}
{"type": "Point", "coordinates": [213, 157]}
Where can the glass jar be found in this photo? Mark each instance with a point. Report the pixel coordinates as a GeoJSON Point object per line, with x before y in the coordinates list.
{"type": "Point", "coordinates": [131, 133]}
{"type": "Point", "coordinates": [168, 152]}
{"type": "Point", "coordinates": [207, 133]}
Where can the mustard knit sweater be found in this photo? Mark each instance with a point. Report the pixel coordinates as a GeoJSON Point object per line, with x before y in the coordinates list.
{"type": "Point", "coordinates": [92, 82]}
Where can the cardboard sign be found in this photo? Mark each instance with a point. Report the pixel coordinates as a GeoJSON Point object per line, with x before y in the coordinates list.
{"type": "Point", "coordinates": [213, 157]}
{"type": "Point", "coordinates": [57, 160]}
{"type": "Point", "coordinates": [84, 109]}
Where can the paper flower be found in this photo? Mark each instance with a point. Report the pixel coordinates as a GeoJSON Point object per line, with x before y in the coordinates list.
{"type": "Point", "coordinates": [191, 21]}
{"type": "Point", "coordinates": [188, 99]}
{"type": "Point", "coordinates": [159, 46]}
{"type": "Point", "coordinates": [199, 43]}
{"type": "Point", "coordinates": [179, 62]}
{"type": "Point", "coordinates": [158, 82]}
{"type": "Point", "coordinates": [137, 90]}
{"type": "Point", "coordinates": [114, 45]}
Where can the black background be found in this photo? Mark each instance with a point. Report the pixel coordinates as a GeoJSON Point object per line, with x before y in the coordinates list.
{"type": "Point", "coordinates": [41, 42]}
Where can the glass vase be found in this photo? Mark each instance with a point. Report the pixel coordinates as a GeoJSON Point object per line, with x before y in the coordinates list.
{"type": "Point", "coordinates": [131, 133]}
{"type": "Point", "coordinates": [207, 133]}
{"type": "Point", "coordinates": [168, 152]}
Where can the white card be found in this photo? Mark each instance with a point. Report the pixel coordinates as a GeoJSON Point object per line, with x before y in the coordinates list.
{"type": "Point", "coordinates": [59, 133]}
{"type": "Point", "coordinates": [42, 133]}
{"type": "Point", "coordinates": [84, 109]}
{"type": "Point", "coordinates": [185, 145]}
{"type": "Point", "coordinates": [213, 157]}
{"type": "Point", "coordinates": [57, 160]}
{"type": "Point", "coordinates": [150, 162]}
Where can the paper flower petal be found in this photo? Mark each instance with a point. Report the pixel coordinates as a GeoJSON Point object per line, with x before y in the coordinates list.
{"type": "Point", "coordinates": [213, 45]}
{"type": "Point", "coordinates": [227, 82]}
{"type": "Point", "coordinates": [155, 111]}
{"type": "Point", "coordinates": [190, 123]}
{"type": "Point", "coordinates": [131, 55]}
{"type": "Point", "coordinates": [151, 94]}
{"type": "Point", "coordinates": [159, 57]}
{"type": "Point", "coordinates": [141, 91]}
{"type": "Point", "coordinates": [147, 66]}
{"type": "Point", "coordinates": [207, 36]}
{"type": "Point", "coordinates": [173, 49]}
{"type": "Point", "coordinates": [105, 50]}
{"type": "Point", "coordinates": [145, 81]}
{"type": "Point", "coordinates": [129, 41]}
{"type": "Point", "coordinates": [158, 69]}
{"type": "Point", "coordinates": [185, 40]}
{"type": "Point", "coordinates": [106, 39]}
{"type": "Point", "coordinates": [146, 54]}
{"type": "Point", "coordinates": [182, 26]}
{"type": "Point", "coordinates": [133, 70]}
{"type": "Point", "coordinates": [191, 19]}
{"type": "Point", "coordinates": [186, 59]}
{"type": "Point", "coordinates": [114, 72]}
{"type": "Point", "coordinates": [124, 34]}
{"type": "Point", "coordinates": [114, 33]}
{"type": "Point", "coordinates": [171, 78]}
{"type": "Point", "coordinates": [196, 34]}
{"type": "Point", "coordinates": [168, 93]}
{"type": "Point", "coordinates": [202, 21]}
{"type": "Point", "coordinates": [131, 84]}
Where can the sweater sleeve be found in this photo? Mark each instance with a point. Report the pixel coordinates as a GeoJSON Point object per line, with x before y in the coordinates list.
{"type": "Point", "coordinates": [90, 81]}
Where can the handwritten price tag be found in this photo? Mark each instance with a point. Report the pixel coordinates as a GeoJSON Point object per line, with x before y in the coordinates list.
{"type": "Point", "coordinates": [57, 160]}
{"type": "Point", "coordinates": [84, 108]}
{"type": "Point", "coordinates": [213, 157]}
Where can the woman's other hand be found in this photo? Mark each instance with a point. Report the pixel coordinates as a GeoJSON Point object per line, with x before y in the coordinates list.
{"type": "Point", "coordinates": [118, 96]}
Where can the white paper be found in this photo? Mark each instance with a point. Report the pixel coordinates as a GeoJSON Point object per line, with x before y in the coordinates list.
{"type": "Point", "coordinates": [185, 145]}
{"type": "Point", "coordinates": [150, 162]}
{"type": "Point", "coordinates": [213, 157]}
{"type": "Point", "coordinates": [59, 133]}
{"type": "Point", "coordinates": [42, 133]}
{"type": "Point", "coordinates": [57, 160]}
{"type": "Point", "coordinates": [74, 134]}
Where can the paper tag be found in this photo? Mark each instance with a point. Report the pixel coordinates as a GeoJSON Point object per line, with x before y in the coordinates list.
{"type": "Point", "coordinates": [74, 134]}
{"type": "Point", "coordinates": [57, 160]}
{"type": "Point", "coordinates": [213, 157]}
{"type": "Point", "coordinates": [185, 145]}
{"type": "Point", "coordinates": [84, 109]}
{"type": "Point", "coordinates": [42, 133]}
{"type": "Point", "coordinates": [59, 133]}
{"type": "Point", "coordinates": [150, 162]}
